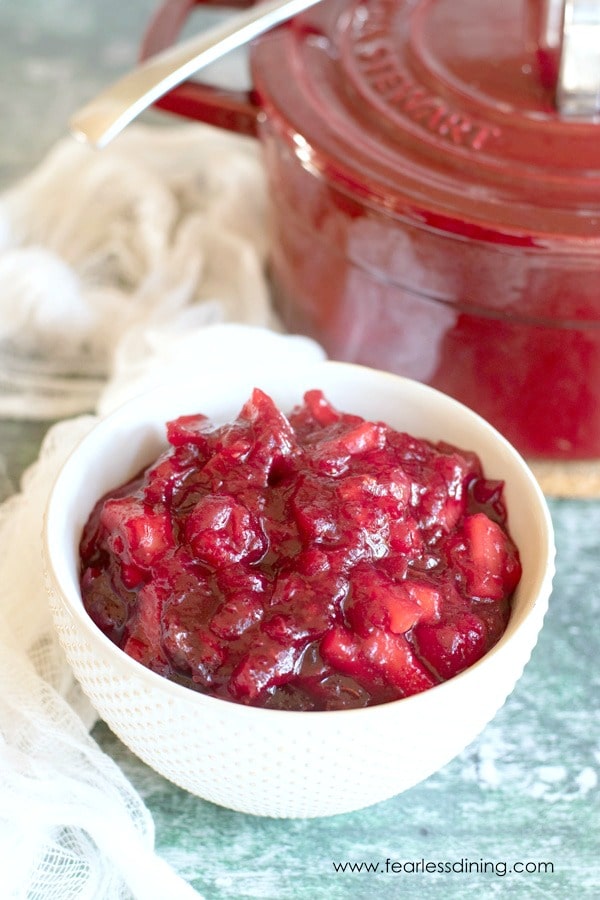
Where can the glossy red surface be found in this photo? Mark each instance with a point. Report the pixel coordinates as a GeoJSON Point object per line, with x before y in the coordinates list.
{"type": "Point", "coordinates": [432, 214]}
{"type": "Point", "coordinates": [319, 561]}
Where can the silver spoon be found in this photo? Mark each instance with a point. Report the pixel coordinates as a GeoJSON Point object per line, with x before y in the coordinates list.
{"type": "Point", "coordinates": [113, 109]}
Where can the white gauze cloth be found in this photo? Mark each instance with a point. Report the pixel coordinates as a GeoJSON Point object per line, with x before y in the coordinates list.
{"type": "Point", "coordinates": [166, 225]}
{"type": "Point", "coordinates": [149, 258]}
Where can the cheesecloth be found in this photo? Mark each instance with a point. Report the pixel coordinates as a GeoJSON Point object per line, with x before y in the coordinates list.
{"type": "Point", "coordinates": [118, 271]}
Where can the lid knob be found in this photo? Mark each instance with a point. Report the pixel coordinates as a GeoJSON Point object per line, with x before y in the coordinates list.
{"type": "Point", "coordinates": [578, 40]}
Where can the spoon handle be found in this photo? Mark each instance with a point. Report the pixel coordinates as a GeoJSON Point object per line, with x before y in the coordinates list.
{"type": "Point", "coordinates": [113, 109]}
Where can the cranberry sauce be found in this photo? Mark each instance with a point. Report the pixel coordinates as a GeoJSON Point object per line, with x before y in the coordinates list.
{"type": "Point", "coordinates": [310, 562]}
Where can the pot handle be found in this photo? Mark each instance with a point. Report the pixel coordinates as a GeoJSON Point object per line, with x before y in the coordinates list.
{"type": "Point", "coordinates": [232, 110]}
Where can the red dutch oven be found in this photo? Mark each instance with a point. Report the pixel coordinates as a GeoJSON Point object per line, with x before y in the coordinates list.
{"type": "Point", "coordinates": [433, 214]}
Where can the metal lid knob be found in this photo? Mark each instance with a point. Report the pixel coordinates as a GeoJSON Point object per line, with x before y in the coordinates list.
{"type": "Point", "coordinates": [578, 87]}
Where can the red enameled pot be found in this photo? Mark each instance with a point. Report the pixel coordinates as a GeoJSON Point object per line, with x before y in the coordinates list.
{"type": "Point", "coordinates": [433, 214]}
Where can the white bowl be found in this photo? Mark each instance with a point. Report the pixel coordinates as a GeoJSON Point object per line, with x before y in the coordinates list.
{"type": "Point", "coordinates": [273, 762]}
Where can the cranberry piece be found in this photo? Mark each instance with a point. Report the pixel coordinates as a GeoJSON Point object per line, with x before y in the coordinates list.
{"type": "Point", "coordinates": [187, 430]}
{"type": "Point", "coordinates": [484, 558]}
{"type": "Point", "coordinates": [138, 534]}
{"type": "Point", "coordinates": [379, 658]}
{"type": "Point", "coordinates": [108, 608]}
{"type": "Point", "coordinates": [222, 531]}
{"type": "Point", "coordinates": [377, 601]}
{"type": "Point", "coordinates": [191, 647]}
{"type": "Point", "coordinates": [144, 632]}
{"type": "Point", "coordinates": [452, 646]}
{"type": "Point", "coordinates": [236, 615]}
{"type": "Point", "coordinates": [303, 607]}
{"type": "Point", "coordinates": [266, 665]}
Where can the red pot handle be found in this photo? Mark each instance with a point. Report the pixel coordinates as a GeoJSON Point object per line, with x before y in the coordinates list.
{"type": "Point", "coordinates": [232, 110]}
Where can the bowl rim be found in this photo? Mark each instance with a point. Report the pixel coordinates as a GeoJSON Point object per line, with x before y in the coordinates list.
{"type": "Point", "coordinates": [54, 531]}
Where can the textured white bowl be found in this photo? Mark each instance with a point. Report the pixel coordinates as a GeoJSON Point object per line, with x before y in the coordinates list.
{"type": "Point", "coordinates": [272, 762]}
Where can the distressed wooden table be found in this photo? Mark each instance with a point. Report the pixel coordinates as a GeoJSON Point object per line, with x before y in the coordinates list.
{"type": "Point", "coordinates": [517, 813]}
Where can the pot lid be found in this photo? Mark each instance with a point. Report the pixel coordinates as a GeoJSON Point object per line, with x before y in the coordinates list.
{"type": "Point", "coordinates": [438, 110]}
